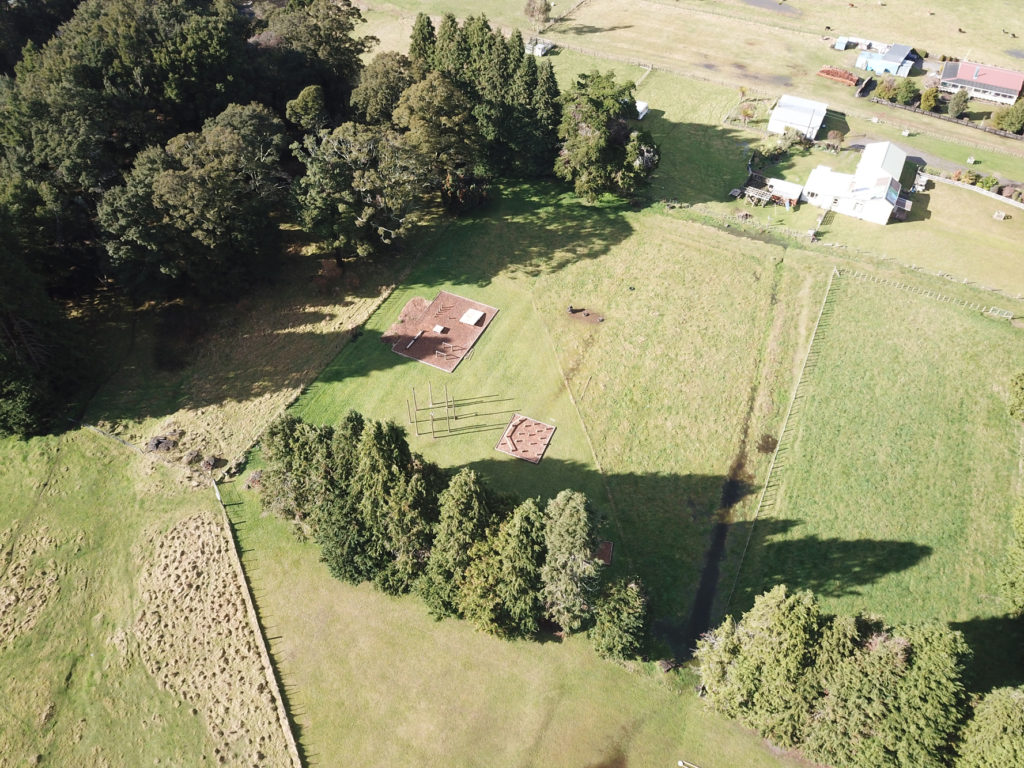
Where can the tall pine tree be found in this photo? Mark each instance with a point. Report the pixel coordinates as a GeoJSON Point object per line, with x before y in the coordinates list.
{"type": "Point", "coordinates": [570, 569]}
{"type": "Point", "coordinates": [465, 516]}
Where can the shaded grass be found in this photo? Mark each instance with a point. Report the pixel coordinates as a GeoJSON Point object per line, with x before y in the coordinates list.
{"type": "Point", "coordinates": [898, 489]}
{"type": "Point", "coordinates": [675, 359]}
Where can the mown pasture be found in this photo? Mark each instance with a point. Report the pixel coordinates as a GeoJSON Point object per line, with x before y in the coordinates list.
{"type": "Point", "coordinates": [902, 475]}
{"type": "Point", "coordinates": [654, 409]}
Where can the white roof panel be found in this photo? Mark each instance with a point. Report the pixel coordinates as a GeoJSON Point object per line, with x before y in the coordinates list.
{"type": "Point", "coordinates": [471, 316]}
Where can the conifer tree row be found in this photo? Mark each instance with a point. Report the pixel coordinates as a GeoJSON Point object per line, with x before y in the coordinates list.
{"type": "Point", "coordinates": [381, 513]}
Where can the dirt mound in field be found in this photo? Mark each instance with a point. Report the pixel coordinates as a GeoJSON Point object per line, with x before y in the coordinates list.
{"type": "Point", "coordinates": [412, 311]}
{"type": "Point", "coordinates": [195, 638]}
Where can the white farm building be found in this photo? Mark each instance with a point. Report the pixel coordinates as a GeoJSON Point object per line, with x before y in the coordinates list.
{"type": "Point", "coordinates": [871, 193]}
{"type": "Point", "coordinates": [803, 115]}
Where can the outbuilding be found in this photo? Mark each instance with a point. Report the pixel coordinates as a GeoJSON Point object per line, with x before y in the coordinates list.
{"type": "Point", "coordinates": [896, 60]}
{"type": "Point", "coordinates": [802, 115]}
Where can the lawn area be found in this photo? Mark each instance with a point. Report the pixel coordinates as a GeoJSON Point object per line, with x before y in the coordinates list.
{"type": "Point", "coordinates": [374, 681]}
{"type": "Point", "coordinates": [695, 353]}
{"type": "Point", "coordinates": [900, 482]}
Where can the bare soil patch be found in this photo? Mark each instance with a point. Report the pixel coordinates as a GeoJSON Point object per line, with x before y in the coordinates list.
{"type": "Point", "coordinates": [196, 640]}
{"type": "Point", "coordinates": [525, 438]}
{"type": "Point", "coordinates": [440, 337]}
{"type": "Point", "coordinates": [411, 313]}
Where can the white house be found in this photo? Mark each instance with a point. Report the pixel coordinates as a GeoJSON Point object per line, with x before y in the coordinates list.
{"type": "Point", "coordinates": [870, 193]}
{"type": "Point", "coordinates": [803, 115]}
{"type": "Point", "coordinates": [1002, 86]}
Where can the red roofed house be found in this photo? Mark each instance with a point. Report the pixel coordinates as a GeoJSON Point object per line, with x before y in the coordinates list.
{"type": "Point", "coordinates": [981, 81]}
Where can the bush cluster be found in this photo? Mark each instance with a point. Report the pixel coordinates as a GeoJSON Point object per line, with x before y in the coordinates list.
{"type": "Point", "coordinates": [853, 691]}
{"type": "Point", "coordinates": [383, 514]}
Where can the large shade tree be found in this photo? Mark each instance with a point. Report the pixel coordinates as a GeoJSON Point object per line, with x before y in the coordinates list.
{"type": "Point", "coordinates": [599, 151]}
{"type": "Point", "coordinates": [196, 215]}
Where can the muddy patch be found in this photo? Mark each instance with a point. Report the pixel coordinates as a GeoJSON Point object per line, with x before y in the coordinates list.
{"type": "Point", "coordinates": [767, 443]}
{"type": "Point", "coordinates": [778, 6]}
{"type": "Point", "coordinates": [587, 315]}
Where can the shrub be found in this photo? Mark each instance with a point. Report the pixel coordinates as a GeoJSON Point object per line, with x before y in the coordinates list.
{"type": "Point", "coordinates": [930, 99]}
{"type": "Point", "coordinates": [620, 619]}
{"type": "Point", "coordinates": [887, 89]}
{"type": "Point", "coordinates": [988, 182]}
{"type": "Point", "coordinates": [906, 92]}
{"type": "Point", "coordinates": [1017, 394]}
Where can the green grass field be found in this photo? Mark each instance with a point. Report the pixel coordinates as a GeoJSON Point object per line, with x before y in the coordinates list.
{"type": "Point", "coordinates": [898, 489]}
{"type": "Point", "coordinates": [693, 340]}
{"type": "Point", "coordinates": [73, 525]}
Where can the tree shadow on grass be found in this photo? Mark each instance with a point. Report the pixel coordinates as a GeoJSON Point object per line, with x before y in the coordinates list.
{"type": "Point", "coordinates": [997, 643]}
{"type": "Point", "coordinates": [665, 527]}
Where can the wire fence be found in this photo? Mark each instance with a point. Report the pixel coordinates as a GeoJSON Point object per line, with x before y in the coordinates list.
{"type": "Point", "coordinates": [983, 308]}
{"type": "Point", "coordinates": [967, 123]}
{"type": "Point", "coordinates": [269, 670]}
{"type": "Point", "coordinates": [770, 489]}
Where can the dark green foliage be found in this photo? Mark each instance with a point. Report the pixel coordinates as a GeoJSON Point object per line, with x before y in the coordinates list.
{"type": "Point", "coordinates": [421, 46]}
{"type": "Point", "coordinates": [513, 107]}
{"type": "Point", "coordinates": [38, 357]}
{"type": "Point", "coordinates": [958, 103]}
{"type": "Point", "coordinates": [930, 99]}
{"type": "Point", "coordinates": [196, 215]}
{"type": "Point", "coordinates": [465, 517]}
{"type": "Point", "coordinates": [994, 737]}
{"type": "Point", "coordinates": [21, 22]}
{"type": "Point", "coordinates": [907, 91]}
{"type": "Point", "coordinates": [1017, 397]}
{"type": "Point", "coordinates": [620, 620]}
{"type": "Point", "coordinates": [314, 44]}
{"type": "Point", "coordinates": [569, 574]}
{"type": "Point", "coordinates": [850, 692]}
{"type": "Point", "coordinates": [761, 670]}
{"type": "Point", "coordinates": [451, 50]}
{"type": "Point", "coordinates": [308, 110]}
{"type": "Point", "coordinates": [599, 152]}
{"type": "Point", "coordinates": [1010, 118]}
{"type": "Point", "coordinates": [1013, 569]}
{"type": "Point", "coordinates": [437, 120]}
{"type": "Point", "coordinates": [359, 187]}
{"type": "Point", "coordinates": [308, 466]}
{"type": "Point", "coordinates": [501, 592]}
{"type": "Point", "coordinates": [897, 700]}
{"type": "Point", "coordinates": [381, 84]}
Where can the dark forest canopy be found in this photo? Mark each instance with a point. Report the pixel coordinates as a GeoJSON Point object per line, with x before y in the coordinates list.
{"type": "Point", "coordinates": [145, 148]}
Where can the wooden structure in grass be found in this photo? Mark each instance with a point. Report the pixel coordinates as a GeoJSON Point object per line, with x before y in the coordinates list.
{"type": "Point", "coordinates": [525, 438]}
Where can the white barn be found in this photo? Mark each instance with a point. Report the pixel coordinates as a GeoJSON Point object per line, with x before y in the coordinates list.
{"type": "Point", "coordinates": [870, 193]}
{"type": "Point", "coordinates": [803, 115]}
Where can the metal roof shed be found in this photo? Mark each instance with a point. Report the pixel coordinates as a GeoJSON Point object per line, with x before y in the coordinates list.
{"type": "Point", "coordinates": [803, 115]}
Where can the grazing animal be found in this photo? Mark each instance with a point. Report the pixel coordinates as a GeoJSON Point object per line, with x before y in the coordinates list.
{"type": "Point", "coordinates": [961, 31]}
{"type": "Point", "coordinates": [828, 29]}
